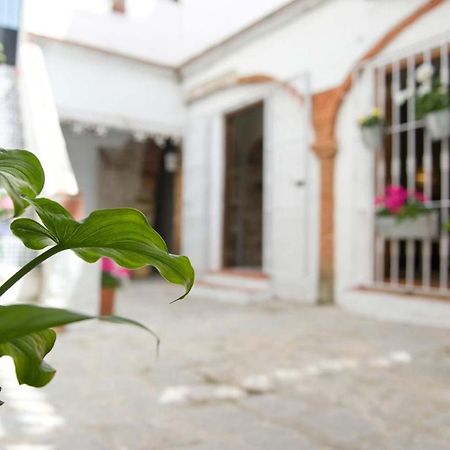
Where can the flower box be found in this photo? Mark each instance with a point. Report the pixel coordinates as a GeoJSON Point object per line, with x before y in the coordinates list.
{"type": "Point", "coordinates": [438, 124]}
{"type": "Point", "coordinates": [424, 226]}
{"type": "Point", "coordinates": [373, 136]}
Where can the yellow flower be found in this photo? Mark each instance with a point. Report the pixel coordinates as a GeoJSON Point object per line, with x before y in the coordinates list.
{"type": "Point", "coordinates": [376, 112]}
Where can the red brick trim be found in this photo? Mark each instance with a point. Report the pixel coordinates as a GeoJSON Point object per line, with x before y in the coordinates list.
{"type": "Point", "coordinates": [262, 78]}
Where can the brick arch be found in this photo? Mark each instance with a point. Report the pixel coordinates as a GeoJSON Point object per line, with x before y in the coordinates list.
{"type": "Point", "coordinates": [263, 78]}
{"type": "Point", "coordinates": [234, 81]}
{"type": "Point", "coordinates": [326, 106]}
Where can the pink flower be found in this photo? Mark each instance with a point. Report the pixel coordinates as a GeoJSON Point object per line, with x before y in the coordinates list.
{"type": "Point", "coordinates": [396, 197]}
{"type": "Point", "coordinates": [379, 200]}
{"type": "Point", "coordinates": [109, 266]}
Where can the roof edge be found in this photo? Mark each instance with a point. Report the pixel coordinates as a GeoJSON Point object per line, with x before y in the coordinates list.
{"type": "Point", "coordinates": [106, 51]}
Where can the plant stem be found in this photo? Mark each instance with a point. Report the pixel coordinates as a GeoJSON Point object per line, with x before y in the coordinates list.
{"type": "Point", "coordinates": [28, 267]}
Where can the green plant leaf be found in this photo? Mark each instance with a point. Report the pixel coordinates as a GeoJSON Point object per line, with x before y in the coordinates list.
{"type": "Point", "coordinates": [21, 175]}
{"type": "Point", "coordinates": [123, 235]}
{"type": "Point", "coordinates": [28, 354]}
{"type": "Point", "coordinates": [26, 337]}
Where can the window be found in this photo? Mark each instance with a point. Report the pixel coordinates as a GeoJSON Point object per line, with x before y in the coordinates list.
{"type": "Point", "coordinates": [414, 161]}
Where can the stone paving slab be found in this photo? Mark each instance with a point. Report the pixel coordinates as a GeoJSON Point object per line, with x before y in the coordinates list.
{"type": "Point", "coordinates": [272, 376]}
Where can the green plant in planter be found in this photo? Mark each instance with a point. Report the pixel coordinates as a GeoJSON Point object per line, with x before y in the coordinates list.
{"type": "Point", "coordinates": [123, 235]}
{"type": "Point", "coordinates": [436, 99]}
{"type": "Point", "coordinates": [371, 120]}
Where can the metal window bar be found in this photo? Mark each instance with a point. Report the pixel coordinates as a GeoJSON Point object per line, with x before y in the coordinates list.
{"type": "Point", "coordinates": [411, 164]}
{"type": "Point", "coordinates": [427, 170]}
{"type": "Point", "coordinates": [414, 161]}
{"type": "Point", "coordinates": [395, 166]}
{"type": "Point", "coordinates": [380, 183]}
{"type": "Point", "coordinates": [444, 244]}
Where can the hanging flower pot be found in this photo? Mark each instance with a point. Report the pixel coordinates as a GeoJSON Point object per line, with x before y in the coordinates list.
{"type": "Point", "coordinates": [373, 136]}
{"type": "Point", "coordinates": [405, 215]}
{"type": "Point", "coordinates": [438, 124]}
{"type": "Point", "coordinates": [372, 130]}
{"type": "Point", "coordinates": [433, 102]}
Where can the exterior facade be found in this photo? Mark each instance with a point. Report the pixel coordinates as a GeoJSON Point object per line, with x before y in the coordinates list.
{"type": "Point", "coordinates": [273, 191]}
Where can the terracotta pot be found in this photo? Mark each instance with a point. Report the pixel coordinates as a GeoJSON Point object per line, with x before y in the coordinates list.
{"type": "Point", "coordinates": [107, 301]}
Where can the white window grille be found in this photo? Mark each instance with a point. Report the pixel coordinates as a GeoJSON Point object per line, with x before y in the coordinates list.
{"type": "Point", "coordinates": [410, 158]}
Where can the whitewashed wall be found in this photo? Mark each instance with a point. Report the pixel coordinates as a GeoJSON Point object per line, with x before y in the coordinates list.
{"type": "Point", "coordinates": [97, 87]}
{"type": "Point", "coordinates": [326, 40]}
{"type": "Point", "coordinates": [354, 184]}
{"type": "Point", "coordinates": [322, 42]}
{"type": "Point", "coordinates": [435, 22]}
{"type": "Point", "coordinates": [354, 192]}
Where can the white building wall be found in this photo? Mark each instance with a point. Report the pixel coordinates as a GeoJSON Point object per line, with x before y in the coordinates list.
{"type": "Point", "coordinates": [354, 192]}
{"type": "Point", "coordinates": [434, 23]}
{"type": "Point", "coordinates": [325, 40]}
{"type": "Point", "coordinates": [101, 88]}
{"type": "Point", "coordinates": [321, 41]}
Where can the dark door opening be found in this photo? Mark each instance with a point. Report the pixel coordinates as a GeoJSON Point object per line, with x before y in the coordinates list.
{"type": "Point", "coordinates": [243, 224]}
{"type": "Point", "coordinates": [147, 177]}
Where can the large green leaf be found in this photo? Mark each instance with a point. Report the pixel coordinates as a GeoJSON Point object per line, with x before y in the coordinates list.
{"type": "Point", "coordinates": [21, 174]}
{"type": "Point", "coordinates": [123, 235]}
{"type": "Point", "coordinates": [26, 337]}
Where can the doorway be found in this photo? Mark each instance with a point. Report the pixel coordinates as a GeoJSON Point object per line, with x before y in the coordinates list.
{"type": "Point", "coordinates": [138, 175]}
{"type": "Point", "coordinates": [243, 214]}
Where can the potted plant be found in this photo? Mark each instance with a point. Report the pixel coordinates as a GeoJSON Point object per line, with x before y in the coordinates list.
{"type": "Point", "coordinates": [433, 103]}
{"type": "Point", "coordinates": [405, 215]}
{"type": "Point", "coordinates": [372, 129]}
{"type": "Point", "coordinates": [112, 279]}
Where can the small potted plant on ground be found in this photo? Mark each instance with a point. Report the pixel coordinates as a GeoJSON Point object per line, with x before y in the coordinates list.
{"type": "Point", "coordinates": [433, 103]}
{"type": "Point", "coordinates": [112, 279]}
{"type": "Point", "coordinates": [405, 215]}
{"type": "Point", "coordinates": [372, 129]}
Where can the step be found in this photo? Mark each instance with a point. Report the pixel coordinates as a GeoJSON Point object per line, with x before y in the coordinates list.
{"type": "Point", "coordinates": [230, 288]}
{"type": "Point", "coordinates": [240, 280]}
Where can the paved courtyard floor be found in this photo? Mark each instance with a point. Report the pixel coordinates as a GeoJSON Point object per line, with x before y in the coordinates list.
{"type": "Point", "coordinates": [272, 376]}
